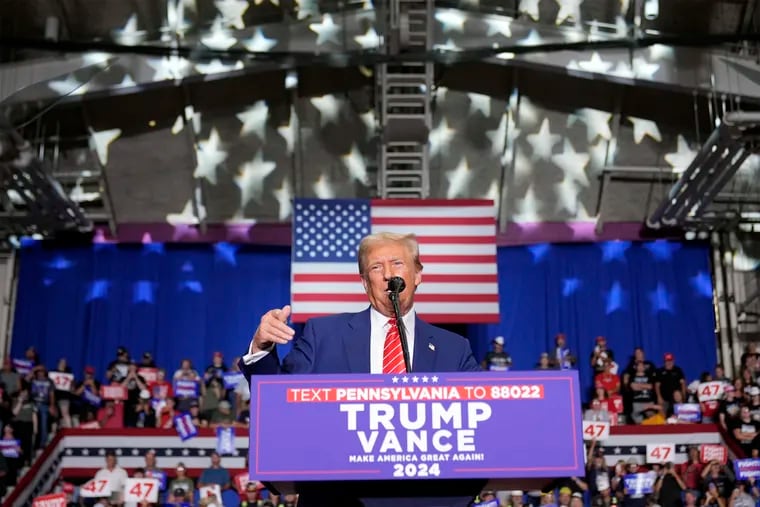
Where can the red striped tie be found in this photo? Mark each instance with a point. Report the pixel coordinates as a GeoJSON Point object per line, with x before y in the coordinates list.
{"type": "Point", "coordinates": [393, 356]}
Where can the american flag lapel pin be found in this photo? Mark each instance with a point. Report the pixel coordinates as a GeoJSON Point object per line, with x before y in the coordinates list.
{"type": "Point", "coordinates": [431, 347]}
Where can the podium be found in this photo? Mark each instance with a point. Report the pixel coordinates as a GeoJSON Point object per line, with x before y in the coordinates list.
{"type": "Point", "coordinates": [422, 439]}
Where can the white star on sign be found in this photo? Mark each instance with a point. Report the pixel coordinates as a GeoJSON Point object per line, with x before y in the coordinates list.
{"type": "Point", "coordinates": [201, 452]}
{"type": "Point", "coordinates": [185, 452]}
{"type": "Point", "coordinates": [450, 20]}
{"type": "Point", "coordinates": [530, 7]}
{"type": "Point", "coordinates": [415, 379]}
{"type": "Point", "coordinates": [434, 379]}
{"type": "Point", "coordinates": [369, 40]}
{"type": "Point", "coordinates": [232, 12]}
{"type": "Point", "coordinates": [85, 452]}
{"type": "Point", "coordinates": [254, 120]}
{"type": "Point", "coordinates": [424, 379]}
{"type": "Point", "coordinates": [284, 196]}
{"type": "Point", "coordinates": [596, 64]}
{"type": "Point", "coordinates": [480, 102]}
{"type": "Point", "coordinates": [634, 450]}
{"type": "Point", "coordinates": [543, 141]}
{"type": "Point", "coordinates": [259, 43]}
{"type": "Point", "coordinates": [169, 452]}
{"type": "Point", "coordinates": [568, 9]}
{"type": "Point", "coordinates": [500, 26]}
{"type": "Point", "coordinates": [573, 164]}
{"type": "Point", "coordinates": [209, 157]}
{"type": "Point", "coordinates": [459, 179]}
{"type": "Point", "coordinates": [135, 452]}
{"type": "Point", "coordinates": [328, 106]}
{"type": "Point", "coordinates": [356, 165]}
{"type": "Point", "coordinates": [100, 141]}
{"type": "Point", "coordinates": [394, 380]}
{"type": "Point", "coordinates": [69, 452]}
{"type": "Point", "coordinates": [250, 179]}
{"type": "Point", "coordinates": [643, 128]}
{"type": "Point", "coordinates": [405, 380]}
{"type": "Point", "coordinates": [327, 30]}
{"type": "Point", "coordinates": [617, 450]}
{"type": "Point", "coordinates": [681, 159]}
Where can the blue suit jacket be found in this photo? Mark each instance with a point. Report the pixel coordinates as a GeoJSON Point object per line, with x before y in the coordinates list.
{"type": "Point", "coordinates": [340, 344]}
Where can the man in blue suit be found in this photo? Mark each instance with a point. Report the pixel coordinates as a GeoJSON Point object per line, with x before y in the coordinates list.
{"type": "Point", "coordinates": [355, 343]}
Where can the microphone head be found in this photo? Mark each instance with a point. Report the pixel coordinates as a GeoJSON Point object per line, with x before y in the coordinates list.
{"type": "Point", "coordinates": [396, 285]}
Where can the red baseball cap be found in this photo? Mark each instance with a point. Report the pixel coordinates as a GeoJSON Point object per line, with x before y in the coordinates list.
{"type": "Point", "coordinates": [669, 356]}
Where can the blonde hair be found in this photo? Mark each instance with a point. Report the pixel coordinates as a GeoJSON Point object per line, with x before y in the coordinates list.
{"type": "Point", "coordinates": [408, 240]}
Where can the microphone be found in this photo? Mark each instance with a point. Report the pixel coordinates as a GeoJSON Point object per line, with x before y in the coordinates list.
{"type": "Point", "coordinates": [396, 285]}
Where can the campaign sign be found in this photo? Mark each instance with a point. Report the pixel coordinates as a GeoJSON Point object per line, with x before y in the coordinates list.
{"type": "Point", "coordinates": [423, 426]}
{"type": "Point", "coordinates": [747, 468]}
{"type": "Point", "coordinates": [639, 484]}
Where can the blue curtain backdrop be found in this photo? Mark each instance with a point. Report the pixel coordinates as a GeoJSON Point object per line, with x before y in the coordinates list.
{"type": "Point", "coordinates": [189, 301]}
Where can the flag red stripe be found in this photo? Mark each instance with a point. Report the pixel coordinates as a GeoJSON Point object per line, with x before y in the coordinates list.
{"type": "Point", "coordinates": [406, 221]}
{"type": "Point", "coordinates": [435, 278]}
{"type": "Point", "coordinates": [463, 259]}
{"type": "Point", "coordinates": [409, 203]}
{"type": "Point", "coordinates": [419, 298]}
{"type": "Point", "coordinates": [455, 240]}
{"type": "Point", "coordinates": [433, 318]}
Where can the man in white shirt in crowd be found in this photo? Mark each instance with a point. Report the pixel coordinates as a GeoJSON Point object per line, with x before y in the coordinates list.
{"type": "Point", "coordinates": [116, 477]}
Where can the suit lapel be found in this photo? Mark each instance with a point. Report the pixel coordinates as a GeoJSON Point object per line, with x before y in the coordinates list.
{"type": "Point", "coordinates": [424, 347]}
{"type": "Point", "coordinates": [356, 342]}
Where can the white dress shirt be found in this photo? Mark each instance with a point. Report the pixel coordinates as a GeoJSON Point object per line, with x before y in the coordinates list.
{"type": "Point", "coordinates": [378, 330]}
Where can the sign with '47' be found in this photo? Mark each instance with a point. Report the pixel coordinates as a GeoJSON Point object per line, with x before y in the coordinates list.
{"type": "Point", "coordinates": [660, 453]}
{"type": "Point", "coordinates": [141, 490]}
{"type": "Point", "coordinates": [596, 430]}
{"type": "Point", "coordinates": [95, 488]}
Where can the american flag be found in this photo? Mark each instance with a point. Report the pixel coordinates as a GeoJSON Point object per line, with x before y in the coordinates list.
{"type": "Point", "coordinates": [457, 250]}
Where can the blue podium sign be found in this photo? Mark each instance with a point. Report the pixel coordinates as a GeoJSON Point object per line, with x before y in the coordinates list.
{"type": "Point", "coordinates": [421, 426]}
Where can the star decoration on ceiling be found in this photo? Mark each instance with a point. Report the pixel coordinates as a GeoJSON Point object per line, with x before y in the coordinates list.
{"type": "Point", "coordinates": [459, 179]}
{"type": "Point", "coordinates": [326, 30]}
{"type": "Point", "coordinates": [642, 127]}
{"type": "Point", "coordinates": [216, 66]}
{"type": "Point", "coordinates": [250, 179]}
{"type": "Point", "coordinates": [98, 289]}
{"type": "Point", "coordinates": [530, 7]}
{"type": "Point", "coordinates": [369, 40]}
{"type": "Point", "coordinates": [259, 43]}
{"type": "Point", "coordinates": [284, 196]}
{"type": "Point", "coordinates": [480, 102]}
{"type": "Point", "coordinates": [498, 25]}
{"type": "Point", "coordinates": [440, 137]}
{"type": "Point", "coordinates": [323, 189]}
{"type": "Point", "coordinates": [100, 141]}
{"type": "Point", "coordinates": [567, 196]}
{"type": "Point", "coordinates": [702, 283]}
{"type": "Point", "coordinates": [662, 250]}
{"type": "Point", "coordinates": [595, 64]}
{"type": "Point", "coordinates": [328, 107]}
{"type": "Point", "coordinates": [209, 154]}
{"type": "Point", "coordinates": [68, 86]}
{"type": "Point", "coordinates": [356, 165]}
{"type": "Point", "coordinates": [232, 12]}
{"type": "Point", "coordinates": [568, 10]}
{"type": "Point", "coordinates": [528, 208]}
{"type": "Point", "coordinates": [287, 132]}
{"type": "Point", "coordinates": [254, 120]}
{"type": "Point", "coordinates": [171, 67]}
{"type": "Point", "coordinates": [218, 37]}
{"type": "Point", "coordinates": [226, 252]}
{"type": "Point", "coordinates": [539, 251]}
{"type": "Point", "coordinates": [643, 69]}
{"type": "Point", "coordinates": [451, 20]}
{"type": "Point", "coordinates": [682, 157]}
{"type": "Point", "coordinates": [597, 123]}
{"type": "Point", "coordinates": [129, 35]}
{"type": "Point", "coordinates": [573, 164]}
{"type": "Point", "coordinates": [543, 141]}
